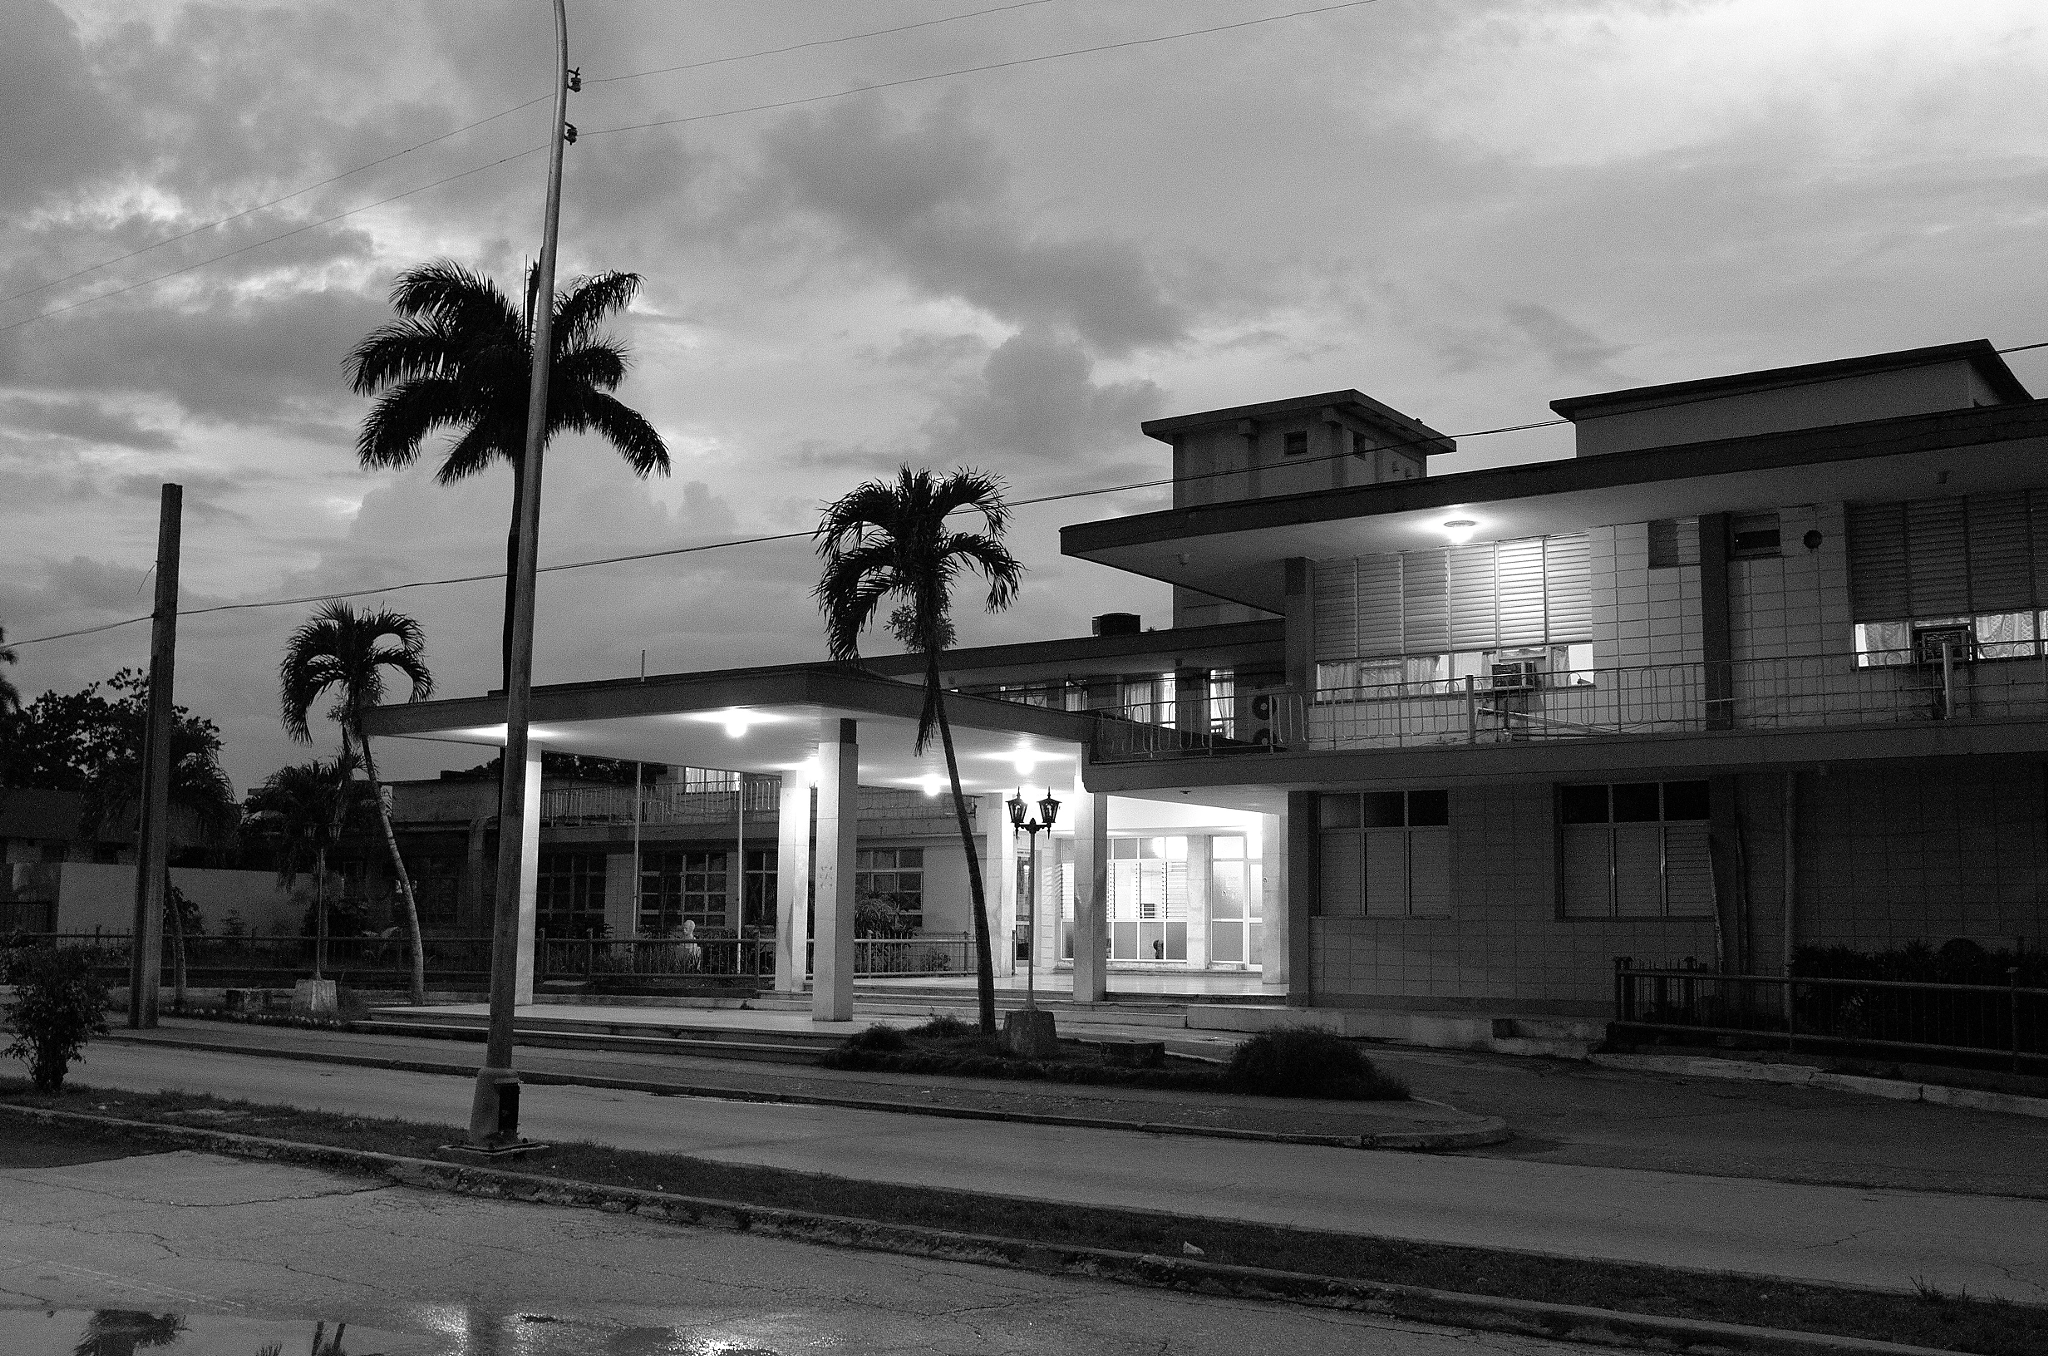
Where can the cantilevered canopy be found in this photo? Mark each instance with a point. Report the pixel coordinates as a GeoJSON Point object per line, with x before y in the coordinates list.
{"type": "Point", "coordinates": [766, 720]}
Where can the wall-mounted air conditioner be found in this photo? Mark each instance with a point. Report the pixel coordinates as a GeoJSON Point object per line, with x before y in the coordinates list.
{"type": "Point", "coordinates": [1929, 641]}
{"type": "Point", "coordinates": [1515, 675]}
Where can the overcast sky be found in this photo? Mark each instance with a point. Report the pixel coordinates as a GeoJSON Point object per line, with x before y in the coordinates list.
{"type": "Point", "coordinates": [1463, 209]}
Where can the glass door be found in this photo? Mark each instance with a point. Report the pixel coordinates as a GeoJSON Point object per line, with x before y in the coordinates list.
{"type": "Point", "coordinates": [1236, 912]}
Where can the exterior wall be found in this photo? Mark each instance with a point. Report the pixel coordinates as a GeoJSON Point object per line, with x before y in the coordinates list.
{"type": "Point", "coordinates": [91, 896]}
{"type": "Point", "coordinates": [1796, 603]}
{"type": "Point", "coordinates": [1504, 943]}
{"type": "Point", "coordinates": [1641, 616]}
{"type": "Point", "coordinates": [1258, 455]}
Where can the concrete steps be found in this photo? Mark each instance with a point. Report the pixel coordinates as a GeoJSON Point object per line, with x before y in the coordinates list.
{"type": "Point", "coordinates": [569, 1033]}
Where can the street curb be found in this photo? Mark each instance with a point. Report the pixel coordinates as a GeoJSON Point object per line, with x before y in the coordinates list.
{"type": "Point", "coordinates": [1802, 1075]}
{"type": "Point", "coordinates": [1530, 1318]}
{"type": "Point", "coordinates": [1484, 1130]}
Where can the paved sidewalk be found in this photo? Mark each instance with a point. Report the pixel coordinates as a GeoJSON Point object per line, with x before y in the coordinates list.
{"type": "Point", "coordinates": [1993, 1245]}
{"type": "Point", "coordinates": [1225, 1114]}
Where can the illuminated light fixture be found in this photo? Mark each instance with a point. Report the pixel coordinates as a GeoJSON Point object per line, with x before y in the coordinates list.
{"type": "Point", "coordinates": [736, 720]}
{"type": "Point", "coordinates": [931, 782]}
{"type": "Point", "coordinates": [1460, 530]}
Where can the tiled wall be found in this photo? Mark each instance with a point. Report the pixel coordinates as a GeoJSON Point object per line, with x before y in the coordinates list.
{"type": "Point", "coordinates": [1641, 616]}
{"type": "Point", "coordinates": [1797, 602]}
{"type": "Point", "coordinates": [1504, 944]}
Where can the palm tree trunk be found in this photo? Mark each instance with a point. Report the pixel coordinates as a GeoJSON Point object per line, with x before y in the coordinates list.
{"type": "Point", "coordinates": [412, 913]}
{"type": "Point", "coordinates": [984, 956]}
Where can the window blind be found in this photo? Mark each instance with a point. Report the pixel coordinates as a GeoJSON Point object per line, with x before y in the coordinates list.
{"type": "Point", "coordinates": [1519, 589]}
{"type": "Point", "coordinates": [1489, 595]}
{"type": "Point", "coordinates": [1963, 555]}
{"type": "Point", "coordinates": [1472, 578]}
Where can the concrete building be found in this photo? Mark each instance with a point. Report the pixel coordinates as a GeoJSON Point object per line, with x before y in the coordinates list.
{"type": "Point", "coordinates": [1761, 667]}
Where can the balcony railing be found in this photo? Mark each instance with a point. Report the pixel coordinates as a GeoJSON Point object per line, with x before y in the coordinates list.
{"type": "Point", "coordinates": [889, 810]}
{"type": "Point", "coordinates": [1753, 694]}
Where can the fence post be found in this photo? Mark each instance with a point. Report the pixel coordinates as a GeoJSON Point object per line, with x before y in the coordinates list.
{"type": "Point", "coordinates": [1620, 988]}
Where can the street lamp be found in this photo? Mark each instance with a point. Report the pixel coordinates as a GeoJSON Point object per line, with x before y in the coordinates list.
{"type": "Point", "coordinates": [1048, 811]}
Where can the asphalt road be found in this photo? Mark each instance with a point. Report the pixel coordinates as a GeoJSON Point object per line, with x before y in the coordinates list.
{"type": "Point", "coordinates": [244, 1253]}
{"type": "Point", "coordinates": [1888, 1239]}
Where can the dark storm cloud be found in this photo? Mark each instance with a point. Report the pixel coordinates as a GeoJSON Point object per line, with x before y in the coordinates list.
{"type": "Point", "coordinates": [1035, 400]}
{"type": "Point", "coordinates": [88, 421]}
{"type": "Point", "coordinates": [930, 202]}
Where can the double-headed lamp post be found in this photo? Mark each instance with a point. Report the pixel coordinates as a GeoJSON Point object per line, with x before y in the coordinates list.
{"type": "Point", "coordinates": [1048, 811]}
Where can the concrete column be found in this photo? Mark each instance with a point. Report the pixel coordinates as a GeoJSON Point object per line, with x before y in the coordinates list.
{"type": "Point", "coordinates": [998, 879]}
{"type": "Point", "coordinates": [529, 878]}
{"type": "Point", "coordinates": [1201, 875]}
{"type": "Point", "coordinates": [1300, 637]}
{"type": "Point", "coordinates": [792, 883]}
{"type": "Point", "coordinates": [1191, 701]}
{"type": "Point", "coordinates": [621, 894]}
{"type": "Point", "coordinates": [1091, 893]}
{"type": "Point", "coordinates": [838, 828]}
{"type": "Point", "coordinates": [1272, 897]}
{"type": "Point", "coordinates": [1293, 889]}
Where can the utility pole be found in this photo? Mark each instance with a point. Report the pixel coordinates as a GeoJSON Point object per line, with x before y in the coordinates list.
{"type": "Point", "coordinates": [494, 1110]}
{"type": "Point", "coordinates": [146, 958]}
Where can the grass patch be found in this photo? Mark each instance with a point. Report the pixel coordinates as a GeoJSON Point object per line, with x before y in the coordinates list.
{"type": "Point", "coordinates": [1931, 1318]}
{"type": "Point", "coordinates": [1289, 1062]}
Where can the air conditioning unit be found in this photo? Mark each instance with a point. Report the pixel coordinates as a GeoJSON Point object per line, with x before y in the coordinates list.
{"type": "Point", "coordinates": [1516, 675]}
{"type": "Point", "coordinates": [1930, 641]}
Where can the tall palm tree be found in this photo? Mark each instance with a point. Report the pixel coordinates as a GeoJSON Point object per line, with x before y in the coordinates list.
{"type": "Point", "coordinates": [890, 542]}
{"type": "Point", "coordinates": [348, 651]}
{"type": "Point", "coordinates": [461, 358]}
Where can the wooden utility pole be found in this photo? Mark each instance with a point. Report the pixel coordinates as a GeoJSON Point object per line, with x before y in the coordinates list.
{"type": "Point", "coordinates": [152, 839]}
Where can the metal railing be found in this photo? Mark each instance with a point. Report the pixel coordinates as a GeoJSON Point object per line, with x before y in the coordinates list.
{"type": "Point", "coordinates": [1774, 693]}
{"type": "Point", "coordinates": [654, 957]}
{"type": "Point", "coordinates": [2007, 1024]}
{"type": "Point", "coordinates": [933, 954]}
{"type": "Point", "coordinates": [211, 961]}
{"type": "Point", "coordinates": [901, 811]}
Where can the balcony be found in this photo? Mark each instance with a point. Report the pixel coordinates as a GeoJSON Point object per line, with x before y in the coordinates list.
{"type": "Point", "coordinates": [1796, 692]}
{"type": "Point", "coordinates": [884, 811]}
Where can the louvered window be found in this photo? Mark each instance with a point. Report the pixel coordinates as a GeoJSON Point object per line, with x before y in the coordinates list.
{"type": "Point", "coordinates": [1955, 557]}
{"type": "Point", "coordinates": [1635, 850]}
{"type": "Point", "coordinates": [1386, 854]}
{"type": "Point", "coordinates": [1486, 596]}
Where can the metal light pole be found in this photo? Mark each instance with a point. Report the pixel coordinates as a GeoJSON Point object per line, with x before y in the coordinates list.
{"type": "Point", "coordinates": [494, 1111]}
{"type": "Point", "coordinates": [1048, 811]}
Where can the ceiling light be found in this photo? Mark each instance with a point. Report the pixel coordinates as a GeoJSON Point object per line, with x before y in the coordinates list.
{"type": "Point", "coordinates": [1460, 530]}
{"type": "Point", "coordinates": [931, 782]}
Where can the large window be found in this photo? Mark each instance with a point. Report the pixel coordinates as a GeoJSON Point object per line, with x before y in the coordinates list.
{"type": "Point", "coordinates": [1635, 850]}
{"type": "Point", "coordinates": [1978, 562]}
{"type": "Point", "coordinates": [1236, 905]}
{"type": "Point", "coordinates": [1386, 854]}
{"type": "Point", "coordinates": [757, 901]}
{"type": "Point", "coordinates": [436, 887]}
{"type": "Point", "coordinates": [569, 899]}
{"type": "Point", "coordinates": [678, 886]}
{"type": "Point", "coordinates": [1394, 677]}
{"type": "Point", "coordinates": [896, 874]}
{"type": "Point", "coordinates": [1148, 899]}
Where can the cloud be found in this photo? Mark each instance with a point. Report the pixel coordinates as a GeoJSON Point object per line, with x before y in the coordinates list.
{"type": "Point", "coordinates": [930, 203]}
{"type": "Point", "coordinates": [88, 421]}
{"type": "Point", "coordinates": [1035, 401]}
{"type": "Point", "coordinates": [1572, 350]}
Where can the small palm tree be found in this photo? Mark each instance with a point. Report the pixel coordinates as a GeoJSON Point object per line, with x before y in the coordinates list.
{"type": "Point", "coordinates": [10, 696]}
{"type": "Point", "coordinates": [461, 358]}
{"type": "Point", "coordinates": [303, 810]}
{"type": "Point", "coordinates": [348, 651]}
{"type": "Point", "coordinates": [890, 542]}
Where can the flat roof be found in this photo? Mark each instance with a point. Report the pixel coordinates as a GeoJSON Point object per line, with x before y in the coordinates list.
{"type": "Point", "coordinates": [1224, 645]}
{"type": "Point", "coordinates": [1978, 353]}
{"type": "Point", "coordinates": [1243, 544]}
{"type": "Point", "coordinates": [1425, 440]}
{"type": "Point", "coordinates": [764, 720]}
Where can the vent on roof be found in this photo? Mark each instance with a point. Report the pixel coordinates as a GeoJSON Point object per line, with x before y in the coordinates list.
{"type": "Point", "coordinates": [1116, 624]}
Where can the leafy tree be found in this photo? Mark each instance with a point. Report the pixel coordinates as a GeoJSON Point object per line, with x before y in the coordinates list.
{"type": "Point", "coordinates": [891, 542]}
{"type": "Point", "coordinates": [10, 696]}
{"type": "Point", "coordinates": [461, 358]}
{"type": "Point", "coordinates": [347, 651]}
{"type": "Point", "coordinates": [59, 1004]}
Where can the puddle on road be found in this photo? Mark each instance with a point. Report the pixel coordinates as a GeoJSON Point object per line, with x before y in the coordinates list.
{"type": "Point", "coordinates": [440, 1331]}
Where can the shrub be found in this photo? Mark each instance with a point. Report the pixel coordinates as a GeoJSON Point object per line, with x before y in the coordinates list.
{"type": "Point", "coordinates": [1300, 1061]}
{"type": "Point", "coordinates": [876, 1037]}
{"type": "Point", "coordinates": [59, 1003]}
{"type": "Point", "coordinates": [945, 1026]}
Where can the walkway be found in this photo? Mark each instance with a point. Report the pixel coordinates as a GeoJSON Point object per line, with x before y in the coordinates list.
{"type": "Point", "coordinates": [1888, 1239]}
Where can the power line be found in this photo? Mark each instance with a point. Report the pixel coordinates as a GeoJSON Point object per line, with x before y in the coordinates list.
{"type": "Point", "coordinates": [816, 42]}
{"type": "Point", "coordinates": [978, 70]}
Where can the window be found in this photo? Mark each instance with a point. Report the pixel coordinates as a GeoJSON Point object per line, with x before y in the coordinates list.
{"type": "Point", "coordinates": [1995, 635]}
{"type": "Point", "coordinates": [436, 886]}
{"type": "Point", "coordinates": [757, 898]}
{"type": "Point", "coordinates": [569, 899]}
{"type": "Point", "coordinates": [1387, 854]}
{"type": "Point", "coordinates": [1970, 556]}
{"type": "Point", "coordinates": [709, 779]}
{"type": "Point", "coordinates": [1294, 444]}
{"type": "Point", "coordinates": [678, 887]}
{"type": "Point", "coordinates": [896, 874]}
{"type": "Point", "coordinates": [1148, 899]}
{"type": "Point", "coordinates": [1674, 542]}
{"type": "Point", "coordinates": [1422, 675]}
{"type": "Point", "coordinates": [1223, 702]}
{"type": "Point", "coordinates": [1635, 850]}
{"type": "Point", "coordinates": [1752, 536]}
{"type": "Point", "coordinates": [1236, 901]}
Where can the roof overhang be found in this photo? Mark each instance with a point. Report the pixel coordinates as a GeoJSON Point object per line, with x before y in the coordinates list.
{"type": "Point", "coordinates": [765, 721]}
{"type": "Point", "coordinates": [1237, 550]}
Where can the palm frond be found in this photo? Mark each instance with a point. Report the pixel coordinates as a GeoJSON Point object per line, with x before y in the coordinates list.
{"type": "Point", "coordinates": [581, 307]}
{"type": "Point", "coordinates": [401, 420]}
{"type": "Point", "coordinates": [625, 428]}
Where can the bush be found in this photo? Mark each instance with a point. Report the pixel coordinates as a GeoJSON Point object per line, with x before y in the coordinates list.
{"type": "Point", "coordinates": [944, 1026]}
{"type": "Point", "coordinates": [876, 1037]}
{"type": "Point", "coordinates": [59, 1003]}
{"type": "Point", "coordinates": [1300, 1061]}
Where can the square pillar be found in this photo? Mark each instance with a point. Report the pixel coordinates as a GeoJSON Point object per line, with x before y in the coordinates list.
{"type": "Point", "coordinates": [1273, 896]}
{"type": "Point", "coordinates": [529, 879]}
{"type": "Point", "coordinates": [838, 827]}
{"type": "Point", "coordinates": [1091, 894]}
{"type": "Point", "coordinates": [1201, 875]}
{"type": "Point", "coordinates": [1294, 901]}
{"type": "Point", "coordinates": [999, 878]}
{"type": "Point", "coordinates": [793, 884]}
{"type": "Point", "coordinates": [621, 894]}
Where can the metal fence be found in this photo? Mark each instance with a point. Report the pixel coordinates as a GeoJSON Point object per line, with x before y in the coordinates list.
{"type": "Point", "coordinates": [655, 957]}
{"type": "Point", "coordinates": [1945, 1022]}
{"type": "Point", "coordinates": [1774, 693]}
